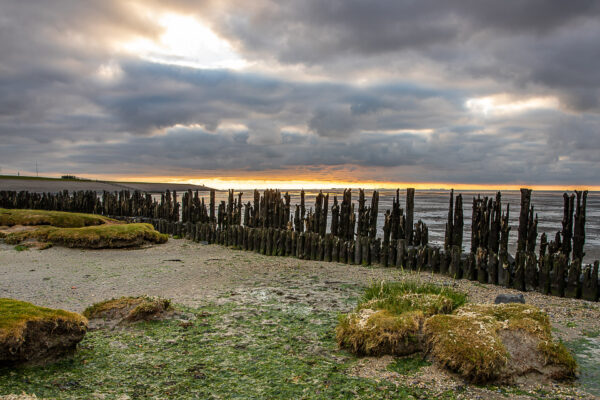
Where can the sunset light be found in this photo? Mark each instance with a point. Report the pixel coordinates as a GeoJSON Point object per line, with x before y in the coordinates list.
{"type": "Point", "coordinates": [187, 42]}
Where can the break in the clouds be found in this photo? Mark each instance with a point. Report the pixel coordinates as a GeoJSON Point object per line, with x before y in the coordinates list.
{"type": "Point", "coordinates": [430, 91]}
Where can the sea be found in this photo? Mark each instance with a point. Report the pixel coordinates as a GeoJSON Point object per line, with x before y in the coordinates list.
{"type": "Point", "coordinates": [431, 207]}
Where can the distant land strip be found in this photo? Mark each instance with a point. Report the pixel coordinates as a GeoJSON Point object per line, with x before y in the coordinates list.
{"type": "Point", "coordinates": [52, 185]}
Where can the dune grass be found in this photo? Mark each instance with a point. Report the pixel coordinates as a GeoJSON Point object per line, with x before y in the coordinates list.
{"type": "Point", "coordinates": [61, 219]}
{"type": "Point", "coordinates": [15, 314]}
{"type": "Point", "coordinates": [100, 236]}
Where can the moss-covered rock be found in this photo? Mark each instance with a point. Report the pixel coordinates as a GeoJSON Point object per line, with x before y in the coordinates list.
{"type": "Point", "coordinates": [503, 342]}
{"type": "Point", "coordinates": [35, 335]}
{"type": "Point", "coordinates": [480, 342]}
{"type": "Point", "coordinates": [466, 344]}
{"type": "Point", "coordinates": [126, 309]}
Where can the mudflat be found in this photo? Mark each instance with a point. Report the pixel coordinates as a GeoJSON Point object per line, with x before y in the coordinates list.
{"type": "Point", "coordinates": [217, 278]}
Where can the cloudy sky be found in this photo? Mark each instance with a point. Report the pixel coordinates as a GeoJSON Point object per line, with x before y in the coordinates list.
{"type": "Point", "coordinates": [338, 91]}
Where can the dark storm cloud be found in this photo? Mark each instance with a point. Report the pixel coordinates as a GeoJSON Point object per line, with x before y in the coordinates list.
{"type": "Point", "coordinates": [381, 84]}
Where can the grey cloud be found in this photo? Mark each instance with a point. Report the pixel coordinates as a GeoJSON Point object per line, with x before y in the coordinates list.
{"type": "Point", "coordinates": [426, 58]}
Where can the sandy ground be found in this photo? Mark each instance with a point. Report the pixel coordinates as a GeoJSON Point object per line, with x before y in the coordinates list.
{"type": "Point", "coordinates": [193, 274]}
{"type": "Point", "coordinates": [33, 185]}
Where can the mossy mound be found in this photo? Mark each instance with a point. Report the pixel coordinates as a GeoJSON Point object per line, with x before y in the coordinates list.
{"type": "Point", "coordinates": [378, 332]}
{"type": "Point", "coordinates": [503, 342]}
{"type": "Point", "coordinates": [466, 344]}
{"type": "Point", "coordinates": [92, 237]}
{"type": "Point", "coordinates": [127, 309]}
{"type": "Point", "coordinates": [61, 219]}
{"type": "Point", "coordinates": [390, 316]}
{"type": "Point", "coordinates": [480, 342]}
{"type": "Point", "coordinates": [35, 335]}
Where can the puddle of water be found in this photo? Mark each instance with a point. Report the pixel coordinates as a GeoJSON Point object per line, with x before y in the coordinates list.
{"type": "Point", "coordinates": [587, 354]}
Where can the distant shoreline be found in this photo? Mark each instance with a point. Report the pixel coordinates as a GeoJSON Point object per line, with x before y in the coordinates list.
{"type": "Point", "coordinates": [53, 185]}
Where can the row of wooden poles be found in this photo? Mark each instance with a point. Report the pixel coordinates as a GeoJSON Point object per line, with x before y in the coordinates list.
{"type": "Point", "coordinates": [272, 209]}
{"type": "Point", "coordinates": [267, 226]}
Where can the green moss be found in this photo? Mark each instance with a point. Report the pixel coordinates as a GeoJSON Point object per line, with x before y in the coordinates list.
{"type": "Point", "coordinates": [102, 236]}
{"type": "Point", "coordinates": [557, 353]}
{"type": "Point", "coordinates": [467, 344]}
{"type": "Point", "coordinates": [15, 314]}
{"type": "Point", "coordinates": [20, 247]}
{"type": "Point", "coordinates": [10, 217]}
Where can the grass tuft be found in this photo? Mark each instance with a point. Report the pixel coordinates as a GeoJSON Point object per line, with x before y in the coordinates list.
{"type": "Point", "coordinates": [399, 297]}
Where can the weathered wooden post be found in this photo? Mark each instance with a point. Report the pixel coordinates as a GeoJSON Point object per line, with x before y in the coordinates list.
{"type": "Point", "coordinates": [579, 230]}
{"type": "Point", "coordinates": [557, 287]}
{"type": "Point", "coordinates": [589, 290]}
{"type": "Point", "coordinates": [573, 287]}
{"type": "Point", "coordinates": [410, 212]}
{"type": "Point", "coordinates": [567, 224]}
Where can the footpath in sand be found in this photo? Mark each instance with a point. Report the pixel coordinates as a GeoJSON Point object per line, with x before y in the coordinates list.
{"type": "Point", "coordinates": [195, 275]}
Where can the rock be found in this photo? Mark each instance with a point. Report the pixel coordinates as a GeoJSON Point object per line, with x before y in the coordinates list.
{"type": "Point", "coordinates": [36, 335]}
{"type": "Point", "coordinates": [505, 298]}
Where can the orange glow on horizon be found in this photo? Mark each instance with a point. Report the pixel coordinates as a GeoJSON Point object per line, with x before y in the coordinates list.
{"type": "Point", "coordinates": [224, 183]}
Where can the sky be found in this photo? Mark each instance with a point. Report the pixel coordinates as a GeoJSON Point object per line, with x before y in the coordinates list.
{"type": "Point", "coordinates": [333, 93]}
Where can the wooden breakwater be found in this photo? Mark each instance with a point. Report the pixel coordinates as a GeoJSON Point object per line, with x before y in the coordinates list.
{"type": "Point", "coordinates": [269, 226]}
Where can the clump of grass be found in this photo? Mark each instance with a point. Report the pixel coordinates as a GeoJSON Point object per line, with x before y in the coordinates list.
{"type": "Point", "coordinates": [61, 219]}
{"type": "Point", "coordinates": [16, 314]}
{"type": "Point", "coordinates": [20, 247]}
{"type": "Point", "coordinates": [102, 236]}
{"type": "Point", "coordinates": [409, 365]}
{"type": "Point", "coordinates": [399, 297]}
{"type": "Point", "coordinates": [128, 308]}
